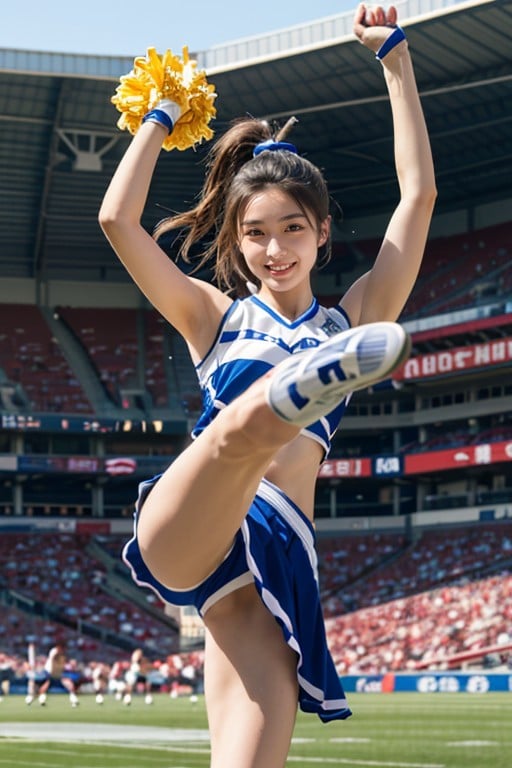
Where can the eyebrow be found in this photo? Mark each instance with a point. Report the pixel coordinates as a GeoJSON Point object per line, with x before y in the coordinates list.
{"type": "Point", "coordinates": [288, 217]}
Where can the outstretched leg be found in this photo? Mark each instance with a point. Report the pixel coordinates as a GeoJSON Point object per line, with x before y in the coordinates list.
{"type": "Point", "coordinates": [188, 521]}
{"type": "Point", "coordinates": [200, 501]}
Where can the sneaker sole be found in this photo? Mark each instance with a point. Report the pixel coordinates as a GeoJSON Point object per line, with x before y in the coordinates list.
{"type": "Point", "coordinates": [365, 359]}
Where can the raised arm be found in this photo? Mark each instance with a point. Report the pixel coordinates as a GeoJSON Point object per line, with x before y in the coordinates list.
{"type": "Point", "coordinates": [383, 291]}
{"type": "Point", "coordinates": [192, 306]}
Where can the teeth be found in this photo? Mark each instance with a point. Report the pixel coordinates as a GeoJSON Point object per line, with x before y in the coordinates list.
{"type": "Point", "coordinates": [280, 268]}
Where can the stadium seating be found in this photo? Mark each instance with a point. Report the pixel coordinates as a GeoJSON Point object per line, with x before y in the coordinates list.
{"type": "Point", "coordinates": [110, 338]}
{"type": "Point", "coordinates": [388, 605]}
{"type": "Point", "coordinates": [437, 557]}
{"type": "Point", "coordinates": [460, 270]}
{"type": "Point", "coordinates": [457, 270]}
{"type": "Point", "coordinates": [431, 626]}
{"type": "Point", "coordinates": [57, 571]}
{"type": "Point", "coordinates": [344, 560]}
{"type": "Point", "coordinates": [382, 594]}
{"type": "Point", "coordinates": [135, 351]}
{"type": "Point", "coordinates": [31, 358]}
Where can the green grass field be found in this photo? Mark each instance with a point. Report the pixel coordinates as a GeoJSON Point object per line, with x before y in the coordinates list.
{"type": "Point", "coordinates": [386, 731]}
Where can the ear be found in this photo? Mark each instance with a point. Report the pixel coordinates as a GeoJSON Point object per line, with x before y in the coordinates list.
{"type": "Point", "coordinates": [324, 232]}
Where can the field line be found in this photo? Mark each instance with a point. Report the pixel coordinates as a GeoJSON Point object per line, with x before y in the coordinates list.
{"type": "Point", "coordinates": [52, 765]}
{"type": "Point", "coordinates": [146, 746]}
{"type": "Point", "coordinates": [295, 758]}
{"type": "Point", "coordinates": [352, 761]}
{"type": "Point", "coordinates": [37, 765]}
{"type": "Point", "coordinates": [196, 750]}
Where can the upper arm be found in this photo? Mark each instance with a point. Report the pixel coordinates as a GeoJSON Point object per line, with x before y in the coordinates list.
{"type": "Point", "coordinates": [193, 307]}
{"type": "Point", "coordinates": [352, 300]}
{"type": "Point", "coordinates": [393, 276]}
{"type": "Point", "coordinates": [382, 292]}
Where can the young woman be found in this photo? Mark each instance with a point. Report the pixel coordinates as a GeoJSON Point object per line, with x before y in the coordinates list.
{"type": "Point", "coordinates": [228, 526]}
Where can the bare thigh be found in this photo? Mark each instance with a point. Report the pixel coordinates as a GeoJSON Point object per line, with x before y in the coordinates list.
{"type": "Point", "coordinates": [250, 684]}
{"type": "Point", "coordinates": [189, 519]}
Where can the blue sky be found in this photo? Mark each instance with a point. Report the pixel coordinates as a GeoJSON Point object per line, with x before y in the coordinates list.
{"type": "Point", "coordinates": [127, 27]}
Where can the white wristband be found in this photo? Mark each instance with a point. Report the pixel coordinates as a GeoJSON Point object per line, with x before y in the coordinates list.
{"type": "Point", "coordinates": [170, 108]}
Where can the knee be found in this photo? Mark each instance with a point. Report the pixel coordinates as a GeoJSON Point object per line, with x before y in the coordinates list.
{"type": "Point", "coordinates": [250, 421]}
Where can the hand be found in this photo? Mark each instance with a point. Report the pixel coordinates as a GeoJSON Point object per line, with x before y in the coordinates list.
{"type": "Point", "coordinates": [170, 108]}
{"type": "Point", "coordinates": [373, 25]}
{"type": "Point", "coordinates": [164, 113]}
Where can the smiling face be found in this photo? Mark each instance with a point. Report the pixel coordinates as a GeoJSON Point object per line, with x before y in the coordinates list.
{"type": "Point", "coordinates": [280, 241]}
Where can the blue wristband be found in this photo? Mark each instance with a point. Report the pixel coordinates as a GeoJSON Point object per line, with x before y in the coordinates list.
{"type": "Point", "coordinates": [395, 37]}
{"type": "Point", "coordinates": [160, 117]}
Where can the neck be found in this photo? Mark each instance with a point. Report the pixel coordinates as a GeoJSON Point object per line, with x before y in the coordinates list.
{"type": "Point", "coordinates": [288, 304]}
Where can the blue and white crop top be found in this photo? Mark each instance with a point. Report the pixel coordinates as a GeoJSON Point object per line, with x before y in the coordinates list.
{"type": "Point", "coordinates": [252, 339]}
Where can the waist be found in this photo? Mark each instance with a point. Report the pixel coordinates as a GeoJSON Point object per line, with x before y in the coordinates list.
{"type": "Point", "coordinates": [294, 469]}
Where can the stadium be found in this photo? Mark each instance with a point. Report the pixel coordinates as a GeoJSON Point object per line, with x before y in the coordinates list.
{"type": "Point", "coordinates": [414, 502]}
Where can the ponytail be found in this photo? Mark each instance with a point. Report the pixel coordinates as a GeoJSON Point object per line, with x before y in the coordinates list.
{"type": "Point", "coordinates": [229, 153]}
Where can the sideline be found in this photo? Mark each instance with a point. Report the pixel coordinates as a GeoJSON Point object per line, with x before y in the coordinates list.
{"type": "Point", "coordinates": [91, 732]}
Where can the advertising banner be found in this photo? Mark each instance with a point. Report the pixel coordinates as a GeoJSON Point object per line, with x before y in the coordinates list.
{"type": "Point", "coordinates": [435, 682]}
{"type": "Point", "coordinates": [448, 362]}
{"type": "Point", "coordinates": [463, 456]}
{"type": "Point", "coordinates": [346, 468]}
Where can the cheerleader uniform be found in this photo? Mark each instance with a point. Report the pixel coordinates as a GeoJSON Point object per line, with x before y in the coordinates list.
{"type": "Point", "coordinates": [275, 546]}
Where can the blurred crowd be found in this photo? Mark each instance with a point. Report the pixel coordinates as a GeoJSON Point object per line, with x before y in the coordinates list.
{"type": "Point", "coordinates": [390, 604]}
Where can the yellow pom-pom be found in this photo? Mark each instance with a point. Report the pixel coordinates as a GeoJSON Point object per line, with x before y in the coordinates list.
{"type": "Point", "coordinates": [156, 77]}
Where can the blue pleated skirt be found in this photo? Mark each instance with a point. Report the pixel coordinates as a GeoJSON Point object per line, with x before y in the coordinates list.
{"type": "Point", "coordinates": [275, 550]}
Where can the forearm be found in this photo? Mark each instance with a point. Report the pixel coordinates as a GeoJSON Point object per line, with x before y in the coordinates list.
{"type": "Point", "coordinates": [127, 192]}
{"type": "Point", "coordinates": [382, 293]}
{"type": "Point", "coordinates": [413, 156]}
{"type": "Point", "coordinates": [396, 268]}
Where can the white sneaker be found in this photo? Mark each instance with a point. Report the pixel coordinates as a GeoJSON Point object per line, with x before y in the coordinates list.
{"type": "Point", "coordinates": [148, 699]}
{"type": "Point", "coordinates": [307, 385]}
{"type": "Point", "coordinates": [99, 698]}
{"type": "Point", "coordinates": [127, 699]}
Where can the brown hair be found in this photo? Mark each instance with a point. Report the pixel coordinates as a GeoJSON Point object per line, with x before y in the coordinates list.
{"type": "Point", "coordinates": [233, 176]}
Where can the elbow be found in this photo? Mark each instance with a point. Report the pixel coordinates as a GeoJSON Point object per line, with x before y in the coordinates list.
{"type": "Point", "coordinates": [107, 218]}
{"type": "Point", "coordinates": [112, 221]}
{"type": "Point", "coordinates": [430, 193]}
{"type": "Point", "coordinates": [423, 197]}
{"type": "Point", "coordinates": [428, 197]}
{"type": "Point", "coordinates": [426, 185]}
{"type": "Point", "coordinates": [418, 186]}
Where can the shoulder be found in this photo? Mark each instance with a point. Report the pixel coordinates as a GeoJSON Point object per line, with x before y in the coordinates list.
{"type": "Point", "coordinates": [239, 311]}
{"type": "Point", "coordinates": [336, 316]}
{"type": "Point", "coordinates": [212, 294]}
{"type": "Point", "coordinates": [209, 316]}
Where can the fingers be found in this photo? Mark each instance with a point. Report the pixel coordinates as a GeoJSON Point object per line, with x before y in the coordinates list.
{"type": "Point", "coordinates": [392, 16]}
{"type": "Point", "coordinates": [374, 17]}
{"type": "Point", "coordinates": [359, 19]}
{"type": "Point", "coordinates": [360, 13]}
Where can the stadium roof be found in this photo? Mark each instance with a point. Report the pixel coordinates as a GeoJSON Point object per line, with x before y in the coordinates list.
{"type": "Point", "coordinates": [59, 143]}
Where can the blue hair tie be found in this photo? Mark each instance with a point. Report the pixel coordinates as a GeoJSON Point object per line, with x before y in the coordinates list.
{"type": "Point", "coordinates": [395, 37]}
{"type": "Point", "coordinates": [274, 146]}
